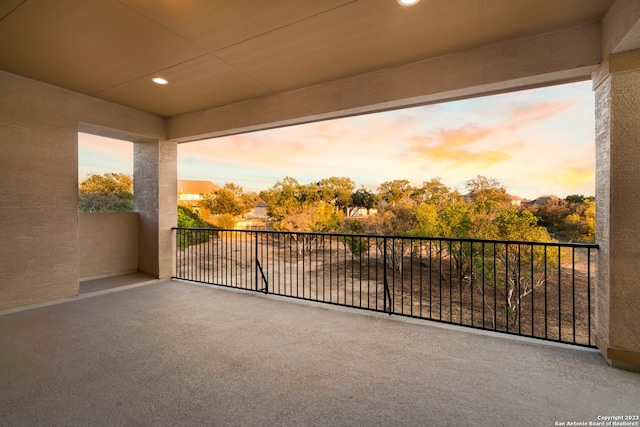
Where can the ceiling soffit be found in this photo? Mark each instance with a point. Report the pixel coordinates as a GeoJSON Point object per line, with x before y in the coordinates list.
{"type": "Point", "coordinates": [216, 52]}
{"type": "Point", "coordinates": [87, 46]}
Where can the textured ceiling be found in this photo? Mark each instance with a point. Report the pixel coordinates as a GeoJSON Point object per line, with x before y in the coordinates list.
{"type": "Point", "coordinates": [217, 52]}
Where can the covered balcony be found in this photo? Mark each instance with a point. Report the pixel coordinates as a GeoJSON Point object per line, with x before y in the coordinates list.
{"type": "Point", "coordinates": [173, 351]}
{"type": "Point", "coordinates": [176, 353]}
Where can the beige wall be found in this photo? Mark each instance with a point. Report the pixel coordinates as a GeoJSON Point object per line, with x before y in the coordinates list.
{"type": "Point", "coordinates": [155, 179]}
{"type": "Point", "coordinates": [39, 123]}
{"type": "Point", "coordinates": [617, 86]}
{"type": "Point", "coordinates": [108, 243]}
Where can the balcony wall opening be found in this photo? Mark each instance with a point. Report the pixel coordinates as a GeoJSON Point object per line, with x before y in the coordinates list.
{"type": "Point", "coordinates": [107, 225]}
{"type": "Point", "coordinates": [420, 166]}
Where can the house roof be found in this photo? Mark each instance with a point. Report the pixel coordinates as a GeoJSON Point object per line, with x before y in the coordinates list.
{"type": "Point", "coordinates": [216, 53]}
{"type": "Point", "coordinates": [196, 187]}
{"type": "Point", "coordinates": [540, 201]}
{"type": "Point", "coordinates": [544, 199]}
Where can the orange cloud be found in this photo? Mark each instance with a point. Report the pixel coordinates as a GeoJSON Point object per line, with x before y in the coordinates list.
{"type": "Point", "coordinates": [460, 148]}
{"type": "Point", "coordinates": [463, 136]}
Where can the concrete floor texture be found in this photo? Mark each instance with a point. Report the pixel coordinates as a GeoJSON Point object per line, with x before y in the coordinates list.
{"type": "Point", "coordinates": [180, 354]}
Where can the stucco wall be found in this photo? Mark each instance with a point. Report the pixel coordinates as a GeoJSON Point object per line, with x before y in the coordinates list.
{"type": "Point", "coordinates": [39, 123]}
{"type": "Point", "coordinates": [154, 186]}
{"type": "Point", "coordinates": [108, 243]}
{"type": "Point", "coordinates": [617, 221]}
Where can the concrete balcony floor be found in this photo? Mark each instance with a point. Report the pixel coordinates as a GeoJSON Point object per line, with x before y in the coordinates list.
{"type": "Point", "coordinates": [173, 353]}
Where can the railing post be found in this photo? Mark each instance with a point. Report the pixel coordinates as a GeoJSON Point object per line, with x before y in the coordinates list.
{"type": "Point", "coordinates": [176, 250]}
{"type": "Point", "coordinates": [387, 293]}
{"type": "Point", "coordinates": [257, 262]}
{"type": "Point", "coordinates": [258, 268]}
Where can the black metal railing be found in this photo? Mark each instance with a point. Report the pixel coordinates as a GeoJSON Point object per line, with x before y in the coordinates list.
{"type": "Point", "coordinates": [540, 290]}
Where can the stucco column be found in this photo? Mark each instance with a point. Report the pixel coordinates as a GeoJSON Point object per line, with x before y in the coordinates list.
{"type": "Point", "coordinates": [155, 200]}
{"type": "Point", "coordinates": [617, 297]}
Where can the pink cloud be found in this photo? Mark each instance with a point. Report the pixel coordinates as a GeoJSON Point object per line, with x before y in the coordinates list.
{"type": "Point", "coordinates": [104, 145]}
{"type": "Point", "coordinates": [535, 113]}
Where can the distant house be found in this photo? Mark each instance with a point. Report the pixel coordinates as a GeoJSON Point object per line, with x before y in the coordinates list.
{"type": "Point", "coordinates": [259, 211]}
{"type": "Point", "coordinates": [540, 201]}
{"type": "Point", "coordinates": [362, 212]}
{"type": "Point", "coordinates": [517, 201]}
{"type": "Point", "coordinates": [256, 219]}
{"type": "Point", "coordinates": [190, 192]}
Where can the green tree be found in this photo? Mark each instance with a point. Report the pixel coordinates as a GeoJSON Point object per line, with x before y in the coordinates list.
{"type": "Point", "coordinates": [427, 220]}
{"type": "Point", "coordinates": [435, 192]}
{"type": "Point", "coordinates": [229, 199]}
{"type": "Point", "coordinates": [337, 192]}
{"type": "Point", "coordinates": [575, 198]}
{"type": "Point", "coordinates": [110, 192]}
{"type": "Point", "coordinates": [443, 212]}
{"type": "Point", "coordinates": [392, 220]}
{"type": "Point", "coordinates": [487, 193]}
{"type": "Point", "coordinates": [187, 218]}
{"type": "Point", "coordinates": [319, 217]}
{"type": "Point", "coordinates": [517, 224]}
{"type": "Point", "coordinates": [226, 220]}
{"type": "Point", "coordinates": [228, 203]}
{"type": "Point", "coordinates": [283, 199]}
{"type": "Point", "coordinates": [399, 191]}
{"type": "Point", "coordinates": [514, 269]}
{"type": "Point", "coordinates": [308, 194]}
{"type": "Point", "coordinates": [552, 214]}
{"type": "Point", "coordinates": [569, 219]}
{"type": "Point", "coordinates": [297, 207]}
{"type": "Point", "coordinates": [363, 198]}
{"type": "Point", "coordinates": [456, 220]}
{"type": "Point", "coordinates": [356, 245]}
{"type": "Point", "coordinates": [486, 197]}
{"type": "Point", "coordinates": [580, 225]}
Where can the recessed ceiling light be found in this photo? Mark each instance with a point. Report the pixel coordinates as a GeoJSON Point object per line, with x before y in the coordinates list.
{"type": "Point", "coordinates": [160, 81]}
{"type": "Point", "coordinates": [407, 2]}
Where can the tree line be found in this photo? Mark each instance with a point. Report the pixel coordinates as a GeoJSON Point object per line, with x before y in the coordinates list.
{"type": "Point", "coordinates": [335, 204]}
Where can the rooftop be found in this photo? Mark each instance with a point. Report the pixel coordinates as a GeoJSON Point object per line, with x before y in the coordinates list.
{"type": "Point", "coordinates": [196, 187]}
{"type": "Point", "coordinates": [175, 353]}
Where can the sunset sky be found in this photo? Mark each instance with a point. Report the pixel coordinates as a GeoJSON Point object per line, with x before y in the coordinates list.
{"type": "Point", "coordinates": [534, 142]}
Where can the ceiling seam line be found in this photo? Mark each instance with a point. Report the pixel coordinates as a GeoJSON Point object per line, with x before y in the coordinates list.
{"type": "Point", "coordinates": [13, 10]}
{"type": "Point", "coordinates": [150, 74]}
{"type": "Point", "coordinates": [284, 26]}
{"type": "Point", "coordinates": [233, 44]}
{"type": "Point", "coordinates": [148, 18]}
{"type": "Point", "coordinates": [243, 72]}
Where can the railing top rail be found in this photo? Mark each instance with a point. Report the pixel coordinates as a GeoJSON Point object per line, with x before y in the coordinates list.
{"type": "Point", "coordinates": [424, 238]}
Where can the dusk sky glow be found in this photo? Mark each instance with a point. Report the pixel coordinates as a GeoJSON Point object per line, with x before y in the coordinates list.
{"type": "Point", "coordinates": [535, 142]}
